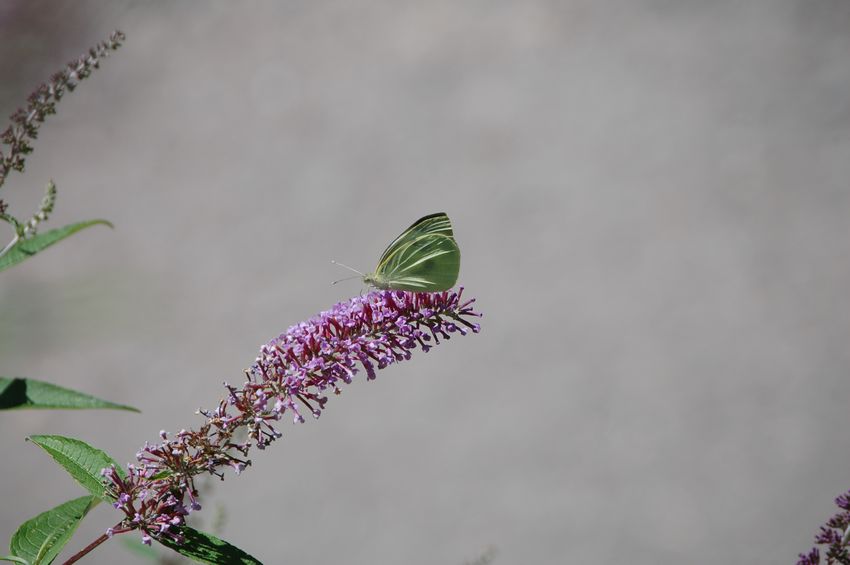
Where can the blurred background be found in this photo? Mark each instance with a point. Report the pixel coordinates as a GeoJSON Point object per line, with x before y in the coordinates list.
{"type": "Point", "coordinates": [653, 207]}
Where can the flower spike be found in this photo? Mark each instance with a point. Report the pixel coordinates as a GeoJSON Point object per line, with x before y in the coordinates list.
{"type": "Point", "coordinates": [290, 377]}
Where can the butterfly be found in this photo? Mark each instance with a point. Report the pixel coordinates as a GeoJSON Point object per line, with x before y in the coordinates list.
{"type": "Point", "coordinates": [424, 258]}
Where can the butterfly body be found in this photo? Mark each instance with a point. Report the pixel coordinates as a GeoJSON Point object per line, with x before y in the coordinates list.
{"type": "Point", "coordinates": [424, 258]}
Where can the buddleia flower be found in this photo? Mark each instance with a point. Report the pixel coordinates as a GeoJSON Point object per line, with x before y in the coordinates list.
{"type": "Point", "coordinates": [834, 535]}
{"type": "Point", "coordinates": [291, 377]}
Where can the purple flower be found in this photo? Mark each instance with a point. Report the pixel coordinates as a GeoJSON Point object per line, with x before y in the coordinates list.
{"type": "Point", "coordinates": [810, 558]}
{"type": "Point", "coordinates": [293, 373]}
{"type": "Point", "coordinates": [835, 534]}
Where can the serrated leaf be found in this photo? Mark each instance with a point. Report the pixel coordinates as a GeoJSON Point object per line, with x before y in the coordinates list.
{"type": "Point", "coordinates": [26, 248]}
{"type": "Point", "coordinates": [19, 393]}
{"type": "Point", "coordinates": [40, 539]}
{"type": "Point", "coordinates": [81, 460]}
{"type": "Point", "coordinates": [206, 548]}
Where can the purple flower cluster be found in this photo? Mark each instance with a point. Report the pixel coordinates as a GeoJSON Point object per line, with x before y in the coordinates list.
{"type": "Point", "coordinates": [835, 534]}
{"type": "Point", "coordinates": [293, 373]}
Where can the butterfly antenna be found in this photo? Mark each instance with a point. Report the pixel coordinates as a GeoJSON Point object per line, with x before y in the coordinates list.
{"type": "Point", "coordinates": [359, 274]}
{"type": "Point", "coordinates": [349, 268]}
{"type": "Point", "coordinates": [346, 279]}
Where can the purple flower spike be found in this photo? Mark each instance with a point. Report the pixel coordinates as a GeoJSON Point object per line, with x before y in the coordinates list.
{"type": "Point", "coordinates": [293, 373]}
{"type": "Point", "coordinates": [835, 535]}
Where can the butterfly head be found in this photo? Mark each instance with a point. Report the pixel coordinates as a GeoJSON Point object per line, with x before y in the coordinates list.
{"type": "Point", "coordinates": [374, 280]}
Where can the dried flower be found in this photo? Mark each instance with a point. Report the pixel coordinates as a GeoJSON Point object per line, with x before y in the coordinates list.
{"type": "Point", "coordinates": [42, 103]}
{"type": "Point", "coordinates": [835, 534]}
{"type": "Point", "coordinates": [293, 373]}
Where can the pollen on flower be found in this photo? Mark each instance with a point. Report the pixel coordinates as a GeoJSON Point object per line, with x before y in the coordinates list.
{"type": "Point", "coordinates": [294, 372]}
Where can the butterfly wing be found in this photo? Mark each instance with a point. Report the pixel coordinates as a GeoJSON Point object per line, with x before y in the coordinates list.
{"type": "Point", "coordinates": [437, 224]}
{"type": "Point", "coordinates": [424, 258]}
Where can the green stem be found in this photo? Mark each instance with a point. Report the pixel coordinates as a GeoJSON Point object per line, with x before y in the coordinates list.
{"type": "Point", "coordinates": [13, 221]}
{"type": "Point", "coordinates": [10, 245]}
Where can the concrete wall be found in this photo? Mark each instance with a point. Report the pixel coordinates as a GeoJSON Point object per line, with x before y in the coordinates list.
{"type": "Point", "coordinates": [652, 202]}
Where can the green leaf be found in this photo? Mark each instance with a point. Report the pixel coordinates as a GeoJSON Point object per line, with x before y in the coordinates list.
{"type": "Point", "coordinates": [81, 460]}
{"type": "Point", "coordinates": [165, 473]}
{"type": "Point", "coordinates": [40, 539]}
{"type": "Point", "coordinates": [16, 393]}
{"type": "Point", "coordinates": [206, 548]}
{"type": "Point", "coordinates": [14, 559]}
{"type": "Point", "coordinates": [28, 247]}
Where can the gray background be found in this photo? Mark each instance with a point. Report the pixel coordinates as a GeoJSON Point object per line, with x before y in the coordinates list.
{"type": "Point", "coordinates": [652, 203]}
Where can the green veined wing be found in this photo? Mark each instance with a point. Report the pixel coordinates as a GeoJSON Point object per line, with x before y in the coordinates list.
{"type": "Point", "coordinates": [437, 224]}
{"type": "Point", "coordinates": [424, 258]}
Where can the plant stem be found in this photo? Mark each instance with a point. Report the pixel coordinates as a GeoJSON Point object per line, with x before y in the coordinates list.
{"type": "Point", "coordinates": [80, 554]}
{"type": "Point", "coordinates": [9, 245]}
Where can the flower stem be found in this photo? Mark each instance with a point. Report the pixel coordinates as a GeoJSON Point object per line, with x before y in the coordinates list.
{"type": "Point", "coordinates": [82, 553]}
{"type": "Point", "coordinates": [9, 245]}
